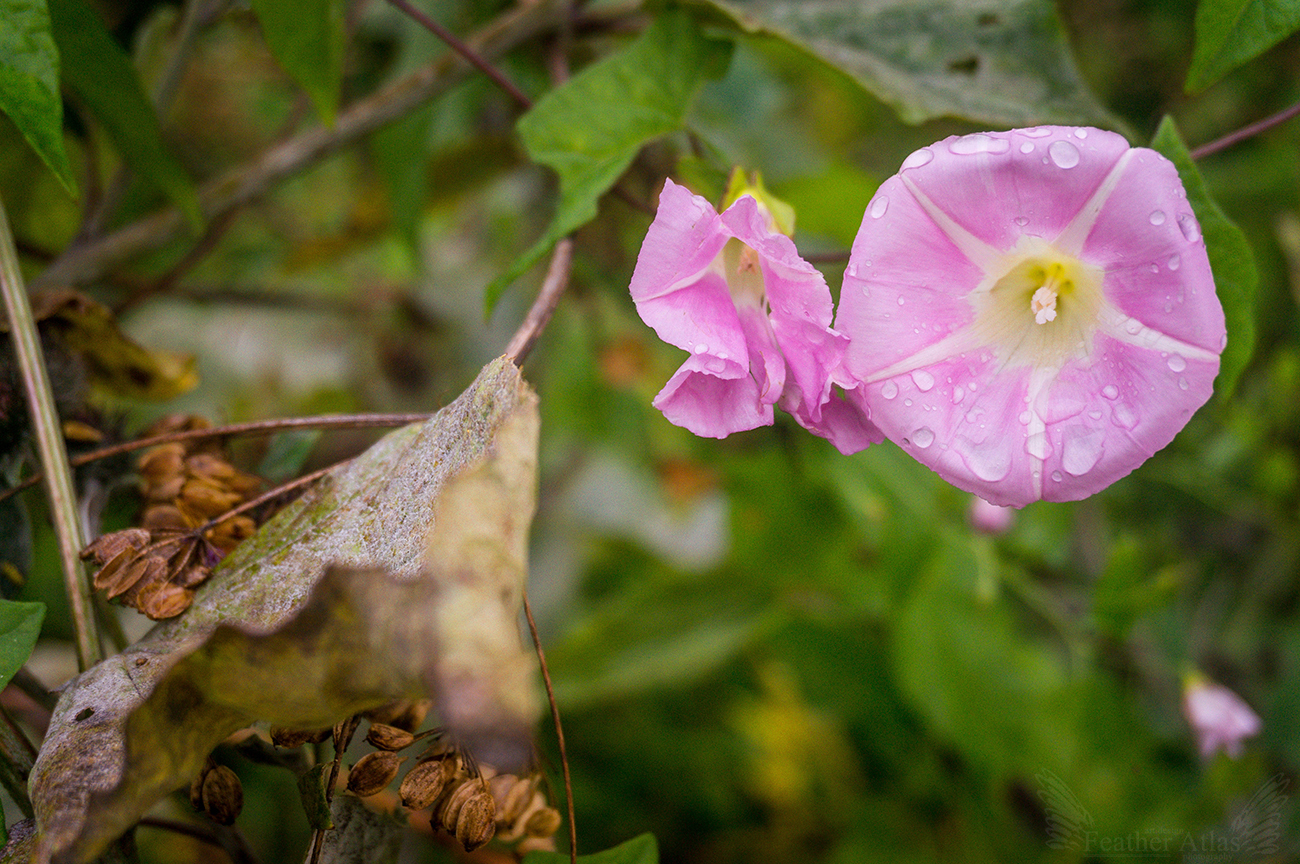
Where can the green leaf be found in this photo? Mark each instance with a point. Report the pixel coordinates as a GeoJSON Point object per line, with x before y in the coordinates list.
{"type": "Point", "coordinates": [308, 38]}
{"type": "Point", "coordinates": [1235, 276]}
{"type": "Point", "coordinates": [1004, 62]}
{"type": "Point", "coordinates": [20, 624]}
{"type": "Point", "coordinates": [1232, 32]}
{"type": "Point", "coordinates": [29, 82]}
{"type": "Point", "coordinates": [101, 74]}
{"type": "Point", "coordinates": [286, 453]}
{"type": "Point", "coordinates": [591, 128]}
{"type": "Point", "coordinates": [638, 850]}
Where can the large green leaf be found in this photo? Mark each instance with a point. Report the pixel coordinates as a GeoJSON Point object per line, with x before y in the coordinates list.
{"type": "Point", "coordinates": [20, 624]}
{"type": "Point", "coordinates": [29, 82]}
{"type": "Point", "coordinates": [591, 128]}
{"type": "Point", "coordinates": [1004, 62]}
{"type": "Point", "coordinates": [638, 850]}
{"type": "Point", "coordinates": [1232, 32]}
{"type": "Point", "coordinates": [101, 74]}
{"type": "Point", "coordinates": [308, 38]}
{"type": "Point", "coordinates": [1235, 276]}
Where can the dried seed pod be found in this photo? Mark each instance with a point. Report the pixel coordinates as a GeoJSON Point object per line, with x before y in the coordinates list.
{"type": "Point", "coordinates": [209, 466]}
{"type": "Point", "coordinates": [166, 517]}
{"type": "Point", "coordinates": [282, 736]}
{"type": "Point", "coordinates": [543, 823]}
{"type": "Point", "coordinates": [208, 498]}
{"type": "Point", "coordinates": [228, 533]}
{"type": "Point", "coordinates": [424, 783]}
{"type": "Point", "coordinates": [387, 737]}
{"type": "Point", "coordinates": [534, 844]}
{"type": "Point", "coordinates": [222, 795]}
{"type": "Point", "coordinates": [373, 772]}
{"type": "Point", "coordinates": [108, 546]}
{"type": "Point", "coordinates": [517, 826]}
{"type": "Point", "coordinates": [167, 600]}
{"type": "Point", "coordinates": [439, 749]}
{"type": "Point", "coordinates": [405, 714]}
{"type": "Point", "coordinates": [158, 464]}
{"type": "Point", "coordinates": [112, 575]}
{"type": "Point", "coordinates": [138, 578]}
{"type": "Point", "coordinates": [453, 800]}
{"type": "Point", "coordinates": [476, 822]}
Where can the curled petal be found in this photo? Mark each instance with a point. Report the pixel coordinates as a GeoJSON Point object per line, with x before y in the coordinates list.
{"type": "Point", "coordinates": [713, 398]}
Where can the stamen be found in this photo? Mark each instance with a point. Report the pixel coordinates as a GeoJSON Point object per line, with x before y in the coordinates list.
{"type": "Point", "coordinates": [1043, 304]}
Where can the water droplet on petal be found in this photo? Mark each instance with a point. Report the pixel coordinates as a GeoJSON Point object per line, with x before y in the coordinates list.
{"type": "Point", "coordinates": [1025, 417]}
{"type": "Point", "coordinates": [1026, 147]}
{"type": "Point", "coordinates": [1174, 262]}
{"type": "Point", "coordinates": [866, 290]}
{"type": "Point", "coordinates": [1081, 450]}
{"type": "Point", "coordinates": [866, 263]}
{"type": "Point", "coordinates": [1064, 154]}
{"type": "Point", "coordinates": [958, 394]}
{"type": "Point", "coordinates": [1124, 416]}
{"type": "Point", "coordinates": [923, 437]}
{"type": "Point", "coordinates": [1110, 391]}
{"type": "Point", "coordinates": [879, 206]}
{"type": "Point", "coordinates": [921, 157]}
{"type": "Point", "coordinates": [1132, 326]}
{"type": "Point", "coordinates": [901, 301]}
{"type": "Point", "coordinates": [1095, 414]}
{"type": "Point", "coordinates": [979, 143]}
{"type": "Point", "coordinates": [701, 348]}
{"type": "Point", "coordinates": [1157, 217]}
{"type": "Point", "coordinates": [1057, 476]}
{"type": "Point", "coordinates": [1155, 268]}
{"type": "Point", "coordinates": [1182, 383]}
{"type": "Point", "coordinates": [1080, 134]}
{"type": "Point", "coordinates": [924, 380]}
{"type": "Point", "coordinates": [1021, 221]}
{"type": "Point", "coordinates": [1036, 132]}
{"type": "Point", "coordinates": [889, 389]}
{"type": "Point", "coordinates": [1176, 363]}
{"type": "Point", "coordinates": [1223, 343]}
{"type": "Point", "coordinates": [1187, 222]}
{"type": "Point", "coordinates": [989, 462]}
{"type": "Point", "coordinates": [1038, 446]}
{"type": "Point", "coordinates": [907, 402]}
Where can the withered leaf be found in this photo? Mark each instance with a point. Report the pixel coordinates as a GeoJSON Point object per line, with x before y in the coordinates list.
{"type": "Point", "coordinates": [398, 576]}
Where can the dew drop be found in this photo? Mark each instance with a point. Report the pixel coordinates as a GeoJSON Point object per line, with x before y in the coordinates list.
{"type": "Point", "coordinates": [1021, 221]}
{"type": "Point", "coordinates": [1177, 363]}
{"type": "Point", "coordinates": [923, 437]}
{"type": "Point", "coordinates": [1081, 450]}
{"type": "Point", "coordinates": [1132, 326]}
{"type": "Point", "coordinates": [907, 402]}
{"type": "Point", "coordinates": [1155, 268]}
{"type": "Point", "coordinates": [1169, 307]}
{"type": "Point", "coordinates": [1124, 416]}
{"type": "Point", "coordinates": [979, 143]}
{"type": "Point", "coordinates": [1027, 147]}
{"type": "Point", "coordinates": [920, 157]}
{"type": "Point", "coordinates": [923, 380]}
{"type": "Point", "coordinates": [1157, 217]}
{"type": "Point", "coordinates": [1038, 446]}
{"type": "Point", "coordinates": [1080, 134]}
{"type": "Point", "coordinates": [1187, 222]}
{"type": "Point", "coordinates": [1064, 154]}
{"type": "Point", "coordinates": [901, 301]}
{"type": "Point", "coordinates": [1025, 417]}
{"type": "Point", "coordinates": [1110, 391]}
{"type": "Point", "coordinates": [1094, 414]}
{"type": "Point", "coordinates": [889, 390]}
{"type": "Point", "coordinates": [1036, 132]}
{"type": "Point", "coordinates": [866, 290]}
{"type": "Point", "coordinates": [1182, 383]}
{"type": "Point", "coordinates": [866, 263]}
{"type": "Point", "coordinates": [1223, 343]}
{"type": "Point", "coordinates": [1057, 476]}
{"type": "Point", "coordinates": [879, 206]}
{"type": "Point", "coordinates": [990, 463]}
{"type": "Point", "coordinates": [1174, 262]}
{"type": "Point", "coordinates": [958, 394]}
{"type": "Point", "coordinates": [701, 348]}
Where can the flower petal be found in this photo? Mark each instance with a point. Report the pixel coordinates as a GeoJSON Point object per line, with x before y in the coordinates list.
{"type": "Point", "coordinates": [713, 398]}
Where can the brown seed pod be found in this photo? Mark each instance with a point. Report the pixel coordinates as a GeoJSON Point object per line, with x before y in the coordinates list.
{"type": "Point", "coordinates": [424, 783]}
{"type": "Point", "coordinates": [167, 601]}
{"type": "Point", "coordinates": [222, 795]}
{"type": "Point", "coordinates": [543, 823]}
{"type": "Point", "coordinates": [453, 799]}
{"type": "Point", "coordinates": [228, 533]}
{"type": "Point", "coordinates": [282, 736]}
{"type": "Point", "coordinates": [162, 463]}
{"type": "Point", "coordinates": [207, 497]}
{"type": "Point", "coordinates": [373, 772]}
{"type": "Point", "coordinates": [387, 737]}
{"type": "Point", "coordinates": [109, 546]}
{"type": "Point", "coordinates": [476, 822]}
{"type": "Point", "coordinates": [166, 517]}
{"type": "Point", "coordinates": [405, 714]}
{"type": "Point", "coordinates": [512, 796]}
{"type": "Point", "coordinates": [139, 579]}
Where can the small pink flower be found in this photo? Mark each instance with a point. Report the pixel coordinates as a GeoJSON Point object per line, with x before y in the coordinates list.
{"type": "Point", "coordinates": [989, 518]}
{"type": "Point", "coordinates": [754, 316]}
{"type": "Point", "coordinates": [1031, 313]}
{"type": "Point", "coordinates": [1218, 716]}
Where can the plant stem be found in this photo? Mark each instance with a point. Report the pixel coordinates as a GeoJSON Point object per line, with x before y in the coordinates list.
{"type": "Point", "coordinates": [559, 729]}
{"type": "Point", "coordinates": [557, 277]}
{"type": "Point", "coordinates": [49, 441]}
{"type": "Point", "coordinates": [1245, 132]}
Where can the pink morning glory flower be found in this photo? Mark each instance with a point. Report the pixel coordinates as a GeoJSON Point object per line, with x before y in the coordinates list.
{"type": "Point", "coordinates": [732, 290]}
{"type": "Point", "coordinates": [1031, 313]}
{"type": "Point", "coordinates": [1218, 717]}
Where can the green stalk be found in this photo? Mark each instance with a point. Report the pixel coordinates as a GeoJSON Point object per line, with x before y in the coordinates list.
{"type": "Point", "coordinates": [49, 442]}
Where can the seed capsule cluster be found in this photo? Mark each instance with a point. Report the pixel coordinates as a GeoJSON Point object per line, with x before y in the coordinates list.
{"type": "Point", "coordinates": [156, 567]}
{"type": "Point", "coordinates": [468, 800]}
{"type": "Point", "coordinates": [217, 792]}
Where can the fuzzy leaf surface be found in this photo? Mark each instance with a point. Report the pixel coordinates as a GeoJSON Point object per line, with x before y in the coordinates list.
{"type": "Point", "coordinates": [1003, 62]}
{"type": "Point", "coordinates": [400, 575]}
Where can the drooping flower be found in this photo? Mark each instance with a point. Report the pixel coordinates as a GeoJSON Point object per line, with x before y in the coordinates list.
{"type": "Point", "coordinates": [1031, 313]}
{"type": "Point", "coordinates": [732, 290]}
{"type": "Point", "coordinates": [1218, 717]}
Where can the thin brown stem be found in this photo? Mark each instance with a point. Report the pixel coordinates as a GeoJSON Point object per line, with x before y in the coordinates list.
{"type": "Point", "coordinates": [215, 230]}
{"type": "Point", "coordinates": [464, 50]}
{"type": "Point", "coordinates": [557, 277]}
{"type": "Point", "coordinates": [255, 427]}
{"type": "Point", "coordinates": [559, 729]}
{"type": "Point", "coordinates": [1245, 132]}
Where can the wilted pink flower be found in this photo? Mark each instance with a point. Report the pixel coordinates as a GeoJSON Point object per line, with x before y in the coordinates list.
{"type": "Point", "coordinates": [1032, 312]}
{"type": "Point", "coordinates": [1218, 716]}
{"type": "Point", "coordinates": [755, 317]}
